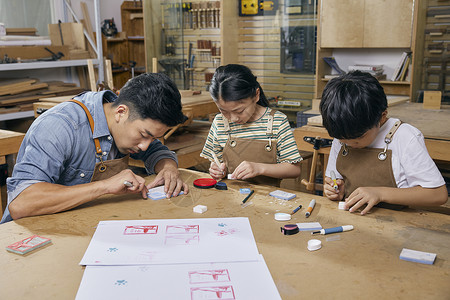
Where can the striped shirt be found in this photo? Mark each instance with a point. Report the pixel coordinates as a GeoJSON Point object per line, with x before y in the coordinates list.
{"type": "Point", "coordinates": [287, 150]}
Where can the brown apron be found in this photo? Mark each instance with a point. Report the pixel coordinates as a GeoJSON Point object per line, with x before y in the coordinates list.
{"type": "Point", "coordinates": [237, 150]}
{"type": "Point", "coordinates": [108, 168]}
{"type": "Point", "coordinates": [368, 167]}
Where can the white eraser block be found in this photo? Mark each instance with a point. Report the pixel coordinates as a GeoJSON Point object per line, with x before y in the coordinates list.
{"type": "Point", "coordinates": [418, 256]}
{"type": "Point", "coordinates": [157, 193]}
{"type": "Point", "coordinates": [229, 176]}
{"type": "Point", "coordinates": [342, 205]}
{"type": "Point", "coordinates": [282, 195]}
{"type": "Point", "coordinates": [309, 226]}
{"type": "Point", "coordinates": [200, 209]}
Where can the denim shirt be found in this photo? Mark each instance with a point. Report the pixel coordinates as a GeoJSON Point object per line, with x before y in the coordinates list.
{"type": "Point", "coordinates": [59, 147]}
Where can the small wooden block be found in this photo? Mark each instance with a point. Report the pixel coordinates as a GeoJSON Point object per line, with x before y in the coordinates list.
{"type": "Point", "coordinates": [432, 99]}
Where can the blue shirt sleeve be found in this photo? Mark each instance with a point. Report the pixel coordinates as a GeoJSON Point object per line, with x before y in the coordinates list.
{"type": "Point", "coordinates": [155, 152]}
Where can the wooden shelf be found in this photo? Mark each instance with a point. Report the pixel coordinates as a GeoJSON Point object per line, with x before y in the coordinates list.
{"type": "Point", "coordinates": [341, 35]}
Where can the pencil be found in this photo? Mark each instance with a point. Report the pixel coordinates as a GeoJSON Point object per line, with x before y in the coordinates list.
{"type": "Point", "coordinates": [216, 160]}
{"type": "Point", "coordinates": [248, 196]}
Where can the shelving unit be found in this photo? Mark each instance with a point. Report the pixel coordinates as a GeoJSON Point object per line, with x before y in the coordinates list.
{"type": "Point", "coordinates": [60, 63]}
{"type": "Point", "coordinates": [174, 34]}
{"type": "Point", "coordinates": [116, 50]}
{"type": "Point", "coordinates": [370, 27]}
{"type": "Point", "coordinates": [133, 27]}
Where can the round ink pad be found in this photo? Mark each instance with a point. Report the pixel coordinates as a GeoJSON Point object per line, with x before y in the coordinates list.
{"type": "Point", "coordinates": [204, 183]}
{"type": "Point", "coordinates": [221, 185]}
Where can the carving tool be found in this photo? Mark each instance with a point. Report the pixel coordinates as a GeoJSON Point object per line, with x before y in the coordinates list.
{"type": "Point", "coordinates": [128, 183]}
{"type": "Point", "coordinates": [333, 177]}
{"type": "Point", "coordinates": [334, 229]}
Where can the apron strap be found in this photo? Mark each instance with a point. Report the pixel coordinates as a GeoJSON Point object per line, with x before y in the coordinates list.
{"type": "Point", "coordinates": [226, 124]}
{"type": "Point", "coordinates": [387, 140]}
{"type": "Point", "coordinates": [98, 149]}
{"type": "Point", "coordinates": [269, 130]}
{"type": "Point", "coordinates": [388, 137]}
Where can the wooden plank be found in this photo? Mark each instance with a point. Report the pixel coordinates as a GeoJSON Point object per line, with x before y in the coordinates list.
{"type": "Point", "coordinates": [92, 79]}
{"type": "Point", "coordinates": [258, 52]}
{"type": "Point", "coordinates": [259, 45]}
{"type": "Point", "coordinates": [263, 31]}
{"type": "Point", "coordinates": [266, 59]}
{"type": "Point", "coordinates": [289, 88]}
{"type": "Point", "coordinates": [10, 142]}
{"type": "Point", "coordinates": [283, 80]}
{"type": "Point", "coordinates": [88, 26]}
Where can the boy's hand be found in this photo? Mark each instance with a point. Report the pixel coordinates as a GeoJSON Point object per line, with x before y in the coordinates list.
{"type": "Point", "coordinates": [363, 195]}
{"type": "Point", "coordinates": [247, 170]}
{"type": "Point", "coordinates": [217, 172]}
{"type": "Point", "coordinates": [330, 192]}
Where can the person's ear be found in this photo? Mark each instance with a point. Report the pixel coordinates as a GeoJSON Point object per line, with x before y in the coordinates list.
{"type": "Point", "coordinates": [257, 94]}
{"type": "Point", "coordinates": [383, 117]}
{"type": "Point", "coordinates": [121, 112]}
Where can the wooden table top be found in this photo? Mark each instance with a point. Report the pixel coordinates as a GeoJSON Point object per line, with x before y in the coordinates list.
{"type": "Point", "coordinates": [10, 142]}
{"type": "Point", "coordinates": [363, 263]}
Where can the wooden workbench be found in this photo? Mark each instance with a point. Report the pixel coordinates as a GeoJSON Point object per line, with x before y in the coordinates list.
{"type": "Point", "coordinates": [188, 152]}
{"type": "Point", "coordinates": [434, 124]}
{"type": "Point", "coordinates": [359, 264]}
{"type": "Point", "coordinates": [9, 146]}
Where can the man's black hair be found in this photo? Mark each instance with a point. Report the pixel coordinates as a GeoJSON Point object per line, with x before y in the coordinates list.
{"type": "Point", "coordinates": [352, 104]}
{"type": "Point", "coordinates": [152, 96]}
{"type": "Point", "coordinates": [236, 82]}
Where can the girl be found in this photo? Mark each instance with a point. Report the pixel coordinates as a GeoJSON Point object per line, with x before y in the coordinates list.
{"type": "Point", "coordinates": [254, 142]}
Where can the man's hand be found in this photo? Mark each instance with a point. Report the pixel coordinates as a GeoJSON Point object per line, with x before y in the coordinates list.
{"type": "Point", "coordinates": [115, 184]}
{"type": "Point", "coordinates": [247, 169]}
{"type": "Point", "coordinates": [330, 192]}
{"type": "Point", "coordinates": [170, 177]}
{"type": "Point", "coordinates": [217, 172]}
{"type": "Point", "coordinates": [369, 196]}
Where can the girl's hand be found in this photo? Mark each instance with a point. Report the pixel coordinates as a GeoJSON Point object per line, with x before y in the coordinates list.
{"type": "Point", "coordinates": [330, 192]}
{"type": "Point", "coordinates": [247, 170]}
{"type": "Point", "coordinates": [369, 196]}
{"type": "Point", "coordinates": [217, 172]}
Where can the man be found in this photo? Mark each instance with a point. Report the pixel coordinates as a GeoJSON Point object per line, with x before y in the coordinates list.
{"type": "Point", "coordinates": [78, 150]}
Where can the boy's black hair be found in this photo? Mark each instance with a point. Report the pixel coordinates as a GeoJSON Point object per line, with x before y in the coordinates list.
{"type": "Point", "coordinates": [152, 96]}
{"type": "Point", "coordinates": [352, 104]}
{"type": "Point", "coordinates": [235, 82]}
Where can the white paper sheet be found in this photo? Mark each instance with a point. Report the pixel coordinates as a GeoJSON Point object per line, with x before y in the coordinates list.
{"type": "Point", "coordinates": [240, 280]}
{"type": "Point", "coordinates": [206, 240]}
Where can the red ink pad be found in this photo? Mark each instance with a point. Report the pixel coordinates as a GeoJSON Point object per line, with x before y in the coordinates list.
{"type": "Point", "coordinates": [204, 183]}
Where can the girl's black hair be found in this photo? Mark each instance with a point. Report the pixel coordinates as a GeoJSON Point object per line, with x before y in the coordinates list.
{"type": "Point", "coordinates": [154, 96]}
{"type": "Point", "coordinates": [352, 104]}
{"type": "Point", "coordinates": [236, 82]}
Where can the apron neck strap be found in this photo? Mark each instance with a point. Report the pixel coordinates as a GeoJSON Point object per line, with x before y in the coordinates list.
{"type": "Point", "coordinates": [98, 149]}
{"type": "Point", "coordinates": [269, 130]}
{"type": "Point", "coordinates": [388, 137]}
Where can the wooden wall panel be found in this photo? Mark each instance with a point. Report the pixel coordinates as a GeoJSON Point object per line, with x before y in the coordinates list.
{"type": "Point", "coordinates": [259, 49]}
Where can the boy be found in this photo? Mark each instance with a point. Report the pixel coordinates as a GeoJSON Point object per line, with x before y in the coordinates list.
{"type": "Point", "coordinates": [375, 158]}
